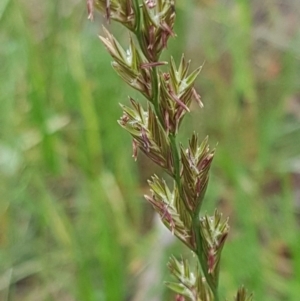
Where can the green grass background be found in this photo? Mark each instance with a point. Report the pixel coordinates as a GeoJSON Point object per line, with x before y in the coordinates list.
{"type": "Point", "coordinates": [73, 221]}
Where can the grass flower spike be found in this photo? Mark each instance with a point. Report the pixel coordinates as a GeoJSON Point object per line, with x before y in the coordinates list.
{"type": "Point", "coordinates": [154, 131]}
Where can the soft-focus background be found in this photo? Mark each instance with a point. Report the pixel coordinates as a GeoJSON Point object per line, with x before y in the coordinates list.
{"type": "Point", "coordinates": [73, 221]}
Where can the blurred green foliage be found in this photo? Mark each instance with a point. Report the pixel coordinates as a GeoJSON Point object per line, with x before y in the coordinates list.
{"type": "Point", "coordinates": [73, 222]}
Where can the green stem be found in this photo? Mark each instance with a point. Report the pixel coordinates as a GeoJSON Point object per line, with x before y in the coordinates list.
{"type": "Point", "coordinates": [136, 6]}
{"type": "Point", "coordinates": [201, 258]}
